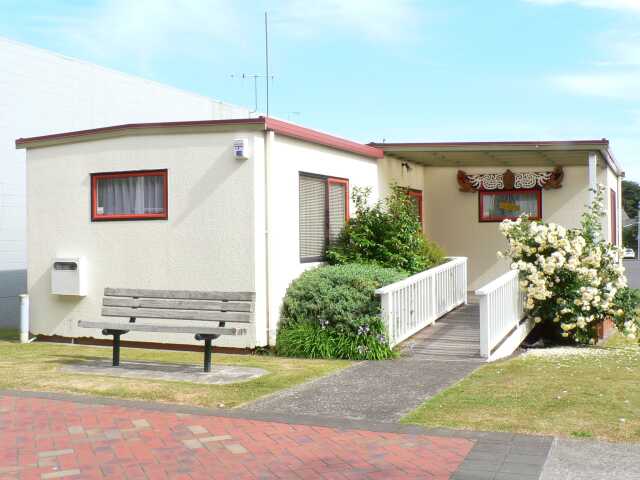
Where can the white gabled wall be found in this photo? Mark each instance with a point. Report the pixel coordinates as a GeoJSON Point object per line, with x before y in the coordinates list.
{"type": "Point", "coordinates": [209, 241]}
{"type": "Point", "coordinates": [288, 158]}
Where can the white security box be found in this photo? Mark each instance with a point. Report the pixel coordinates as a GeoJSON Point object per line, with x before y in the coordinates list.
{"type": "Point", "coordinates": [241, 149]}
{"type": "Point", "coordinates": [69, 276]}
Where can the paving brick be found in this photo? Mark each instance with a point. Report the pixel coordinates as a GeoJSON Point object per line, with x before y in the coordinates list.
{"type": "Point", "coordinates": [140, 423]}
{"type": "Point", "coordinates": [201, 446]}
{"type": "Point", "coordinates": [55, 453]}
{"type": "Point", "coordinates": [197, 429]}
{"type": "Point", "coordinates": [192, 443]}
{"type": "Point", "coordinates": [75, 429]}
{"type": "Point", "coordinates": [61, 474]}
{"type": "Point", "coordinates": [216, 438]}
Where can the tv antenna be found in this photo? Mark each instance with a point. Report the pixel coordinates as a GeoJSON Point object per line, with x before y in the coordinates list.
{"type": "Point", "coordinates": [267, 76]}
{"type": "Point", "coordinates": [255, 77]}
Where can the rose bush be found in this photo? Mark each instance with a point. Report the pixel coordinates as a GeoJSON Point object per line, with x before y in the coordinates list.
{"type": "Point", "coordinates": [571, 277]}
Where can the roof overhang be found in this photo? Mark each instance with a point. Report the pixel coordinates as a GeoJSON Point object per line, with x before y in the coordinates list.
{"type": "Point", "coordinates": [200, 126]}
{"type": "Point", "coordinates": [516, 153]}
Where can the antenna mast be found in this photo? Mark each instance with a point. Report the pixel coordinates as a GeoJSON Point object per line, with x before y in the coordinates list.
{"type": "Point", "coordinates": [266, 55]}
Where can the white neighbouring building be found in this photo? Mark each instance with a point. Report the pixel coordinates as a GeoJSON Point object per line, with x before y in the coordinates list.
{"type": "Point", "coordinates": [172, 206]}
{"type": "Point", "coordinates": [40, 92]}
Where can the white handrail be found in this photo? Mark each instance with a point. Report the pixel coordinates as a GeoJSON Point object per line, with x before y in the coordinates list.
{"type": "Point", "coordinates": [501, 316]}
{"type": "Point", "coordinates": [417, 301]}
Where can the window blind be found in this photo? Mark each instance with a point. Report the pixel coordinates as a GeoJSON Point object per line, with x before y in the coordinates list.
{"type": "Point", "coordinates": [313, 204]}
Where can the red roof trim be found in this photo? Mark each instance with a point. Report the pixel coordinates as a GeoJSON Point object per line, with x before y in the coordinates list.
{"type": "Point", "coordinates": [133, 126]}
{"type": "Point", "coordinates": [278, 126]}
{"type": "Point", "coordinates": [313, 136]}
{"type": "Point", "coordinates": [602, 141]}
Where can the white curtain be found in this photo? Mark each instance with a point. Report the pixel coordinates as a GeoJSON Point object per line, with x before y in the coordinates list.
{"type": "Point", "coordinates": [131, 195]}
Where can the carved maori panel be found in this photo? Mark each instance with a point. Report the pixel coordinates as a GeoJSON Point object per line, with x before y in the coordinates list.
{"type": "Point", "coordinates": [510, 180]}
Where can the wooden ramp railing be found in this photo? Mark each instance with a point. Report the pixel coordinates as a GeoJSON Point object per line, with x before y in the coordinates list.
{"type": "Point", "coordinates": [417, 301]}
{"type": "Point", "coordinates": [503, 321]}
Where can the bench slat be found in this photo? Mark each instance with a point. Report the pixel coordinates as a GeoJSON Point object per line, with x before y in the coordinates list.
{"type": "Point", "coordinates": [179, 294]}
{"type": "Point", "coordinates": [166, 313]}
{"type": "Point", "coordinates": [212, 305]}
{"type": "Point", "coordinates": [139, 327]}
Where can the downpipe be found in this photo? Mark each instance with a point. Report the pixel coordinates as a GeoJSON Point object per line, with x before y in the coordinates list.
{"type": "Point", "coordinates": [24, 319]}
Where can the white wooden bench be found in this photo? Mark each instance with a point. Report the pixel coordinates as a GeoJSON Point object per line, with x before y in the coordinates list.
{"type": "Point", "coordinates": [159, 307]}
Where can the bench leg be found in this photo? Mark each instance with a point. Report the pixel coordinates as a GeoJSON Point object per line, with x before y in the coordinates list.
{"type": "Point", "coordinates": [116, 349]}
{"type": "Point", "coordinates": [116, 344]}
{"type": "Point", "coordinates": [207, 354]}
{"type": "Point", "coordinates": [207, 349]}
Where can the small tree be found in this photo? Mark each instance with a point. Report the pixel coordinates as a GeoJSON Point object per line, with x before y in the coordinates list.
{"type": "Point", "coordinates": [572, 278]}
{"type": "Point", "coordinates": [387, 233]}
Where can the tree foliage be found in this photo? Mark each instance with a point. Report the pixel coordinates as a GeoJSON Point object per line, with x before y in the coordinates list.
{"type": "Point", "coordinates": [630, 199]}
{"type": "Point", "coordinates": [387, 233]}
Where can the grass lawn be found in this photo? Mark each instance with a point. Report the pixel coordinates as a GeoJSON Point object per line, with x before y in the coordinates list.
{"type": "Point", "coordinates": [594, 392]}
{"type": "Point", "coordinates": [35, 366]}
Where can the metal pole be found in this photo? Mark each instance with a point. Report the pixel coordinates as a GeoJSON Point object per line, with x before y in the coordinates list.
{"type": "Point", "coordinates": [266, 56]}
{"type": "Point", "coordinates": [24, 318]}
{"type": "Point", "coordinates": [207, 354]}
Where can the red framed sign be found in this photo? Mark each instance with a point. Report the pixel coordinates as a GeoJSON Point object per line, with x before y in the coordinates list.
{"type": "Point", "coordinates": [132, 195]}
{"type": "Point", "coordinates": [498, 205]}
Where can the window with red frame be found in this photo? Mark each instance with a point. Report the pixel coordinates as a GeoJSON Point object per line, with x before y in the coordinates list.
{"type": "Point", "coordinates": [323, 212]}
{"type": "Point", "coordinates": [416, 197]}
{"type": "Point", "coordinates": [498, 205]}
{"type": "Point", "coordinates": [135, 195]}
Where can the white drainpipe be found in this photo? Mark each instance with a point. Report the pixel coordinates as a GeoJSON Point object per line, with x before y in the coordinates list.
{"type": "Point", "coordinates": [593, 175]}
{"type": "Point", "coordinates": [24, 318]}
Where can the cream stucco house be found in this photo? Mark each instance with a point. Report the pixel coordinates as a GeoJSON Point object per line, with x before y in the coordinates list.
{"type": "Point", "coordinates": [248, 204]}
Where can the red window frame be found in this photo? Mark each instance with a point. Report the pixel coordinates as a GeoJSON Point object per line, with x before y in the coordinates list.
{"type": "Point", "coordinates": [95, 217]}
{"type": "Point", "coordinates": [328, 181]}
{"type": "Point", "coordinates": [482, 193]}
{"type": "Point", "coordinates": [412, 192]}
{"type": "Point", "coordinates": [614, 217]}
{"type": "Point", "coordinates": [339, 181]}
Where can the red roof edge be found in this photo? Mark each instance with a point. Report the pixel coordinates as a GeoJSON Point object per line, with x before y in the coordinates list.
{"type": "Point", "coordinates": [601, 141]}
{"type": "Point", "coordinates": [313, 136]}
{"type": "Point", "coordinates": [134, 126]}
{"type": "Point", "coordinates": [268, 123]}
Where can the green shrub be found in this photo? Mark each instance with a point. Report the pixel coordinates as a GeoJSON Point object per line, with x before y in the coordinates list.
{"type": "Point", "coordinates": [387, 233]}
{"type": "Point", "coordinates": [333, 312]}
{"type": "Point", "coordinates": [310, 340]}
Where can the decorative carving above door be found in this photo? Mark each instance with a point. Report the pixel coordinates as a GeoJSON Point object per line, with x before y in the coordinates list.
{"type": "Point", "coordinates": [510, 181]}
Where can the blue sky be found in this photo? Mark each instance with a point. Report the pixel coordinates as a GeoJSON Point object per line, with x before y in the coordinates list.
{"type": "Point", "coordinates": [398, 70]}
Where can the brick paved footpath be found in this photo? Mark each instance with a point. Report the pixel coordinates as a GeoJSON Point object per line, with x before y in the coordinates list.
{"type": "Point", "coordinates": [43, 438]}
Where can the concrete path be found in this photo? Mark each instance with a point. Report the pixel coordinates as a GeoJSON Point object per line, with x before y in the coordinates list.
{"type": "Point", "coordinates": [385, 391]}
{"type": "Point", "coordinates": [632, 268]}
{"type": "Point", "coordinates": [382, 391]}
{"type": "Point", "coordinates": [591, 460]}
{"type": "Point", "coordinates": [177, 372]}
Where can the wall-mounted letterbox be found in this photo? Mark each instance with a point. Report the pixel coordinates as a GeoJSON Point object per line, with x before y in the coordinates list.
{"type": "Point", "coordinates": [69, 276]}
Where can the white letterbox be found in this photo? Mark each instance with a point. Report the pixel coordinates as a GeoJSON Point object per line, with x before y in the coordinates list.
{"type": "Point", "coordinates": [69, 276]}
